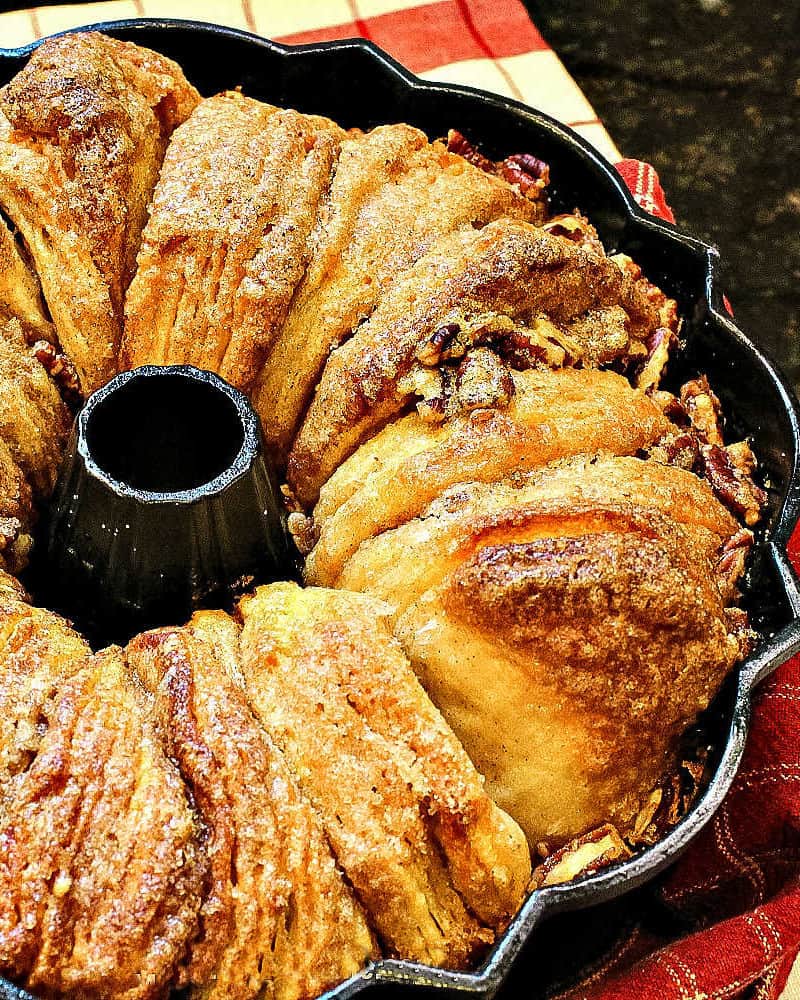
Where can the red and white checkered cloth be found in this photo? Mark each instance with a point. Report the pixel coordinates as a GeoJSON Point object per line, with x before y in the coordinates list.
{"type": "Point", "coordinates": [737, 891]}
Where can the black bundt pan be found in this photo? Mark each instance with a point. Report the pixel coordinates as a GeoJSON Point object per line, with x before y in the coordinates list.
{"type": "Point", "coordinates": [359, 85]}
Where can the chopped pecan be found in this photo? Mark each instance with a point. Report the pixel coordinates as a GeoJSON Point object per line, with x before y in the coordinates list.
{"type": "Point", "coordinates": [679, 448]}
{"type": "Point", "coordinates": [659, 345]}
{"type": "Point", "coordinates": [436, 347]}
{"type": "Point", "coordinates": [482, 380]}
{"type": "Point", "coordinates": [530, 174]}
{"type": "Point", "coordinates": [532, 165]}
{"type": "Point", "coordinates": [436, 388]}
{"type": "Point", "coordinates": [644, 831]}
{"type": "Point", "coordinates": [704, 410]}
{"type": "Point", "coordinates": [731, 562]}
{"type": "Point", "coordinates": [739, 627]}
{"type": "Point", "coordinates": [459, 144]}
{"type": "Point", "coordinates": [670, 802]}
{"type": "Point", "coordinates": [574, 227]}
{"type": "Point", "coordinates": [542, 343]}
{"type": "Point", "coordinates": [735, 549]}
{"type": "Point", "coordinates": [527, 172]}
{"type": "Point", "coordinates": [672, 408]}
{"type": "Point", "coordinates": [303, 531]}
{"type": "Point", "coordinates": [582, 856]}
{"type": "Point", "coordinates": [61, 370]}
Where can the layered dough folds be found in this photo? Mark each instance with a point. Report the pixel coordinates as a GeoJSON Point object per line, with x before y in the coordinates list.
{"type": "Point", "coordinates": [592, 598]}
{"type": "Point", "coordinates": [170, 819]}
{"type": "Point", "coordinates": [228, 238]}
{"type": "Point", "coordinates": [83, 129]}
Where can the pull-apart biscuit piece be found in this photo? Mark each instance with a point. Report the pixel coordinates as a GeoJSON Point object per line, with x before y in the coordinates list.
{"type": "Point", "coordinates": [277, 919]}
{"type": "Point", "coordinates": [437, 865]}
{"type": "Point", "coordinates": [569, 625]}
{"type": "Point", "coordinates": [227, 239]}
{"type": "Point", "coordinates": [550, 415]}
{"type": "Point", "coordinates": [83, 129]}
{"type": "Point", "coordinates": [448, 334]}
{"type": "Point", "coordinates": [392, 195]}
{"type": "Point", "coordinates": [34, 421]}
{"type": "Point", "coordinates": [102, 869]}
{"type": "Point", "coordinates": [20, 294]}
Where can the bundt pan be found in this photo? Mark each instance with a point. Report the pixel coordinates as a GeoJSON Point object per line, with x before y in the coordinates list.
{"type": "Point", "coordinates": [356, 84]}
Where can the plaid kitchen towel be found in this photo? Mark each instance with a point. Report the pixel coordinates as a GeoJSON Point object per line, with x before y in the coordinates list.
{"type": "Point", "coordinates": [734, 899]}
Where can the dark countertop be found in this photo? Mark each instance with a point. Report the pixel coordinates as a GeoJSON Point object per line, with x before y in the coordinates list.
{"type": "Point", "coordinates": [708, 91]}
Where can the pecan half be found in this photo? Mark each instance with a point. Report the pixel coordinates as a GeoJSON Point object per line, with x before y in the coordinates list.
{"type": "Point", "coordinates": [731, 562]}
{"type": "Point", "coordinates": [659, 346]}
{"type": "Point", "coordinates": [732, 486]}
{"type": "Point", "coordinates": [525, 171]}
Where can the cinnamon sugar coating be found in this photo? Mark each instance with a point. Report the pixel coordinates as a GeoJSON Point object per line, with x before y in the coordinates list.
{"type": "Point", "coordinates": [83, 128]}
{"type": "Point", "coordinates": [437, 865]}
{"type": "Point", "coordinates": [569, 624]}
{"type": "Point", "coordinates": [532, 298]}
{"type": "Point", "coordinates": [404, 467]}
{"type": "Point", "coordinates": [277, 918]}
{"type": "Point", "coordinates": [227, 240]}
{"type": "Point", "coordinates": [102, 869]}
{"type": "Point", "coordinates": [392, 196]}
{"type": "Point", "coordinates": [536, 550]}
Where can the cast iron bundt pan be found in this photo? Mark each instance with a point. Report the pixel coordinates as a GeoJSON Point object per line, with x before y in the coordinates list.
{"type": "Point", "coordinates": [357, 84]}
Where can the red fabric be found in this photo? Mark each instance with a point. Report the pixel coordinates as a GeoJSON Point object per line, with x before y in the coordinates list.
{"type": "Point", "coordinates": [643, 181]}
{"type": "Point", "coordinates": [436, 34]}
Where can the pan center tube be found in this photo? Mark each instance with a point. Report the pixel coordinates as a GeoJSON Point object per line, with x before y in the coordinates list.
{"type": "Point", "coordinates": [165, 503]}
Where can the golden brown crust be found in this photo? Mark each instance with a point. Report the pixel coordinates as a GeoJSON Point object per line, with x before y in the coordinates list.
{"type": "Point", "coordinates": [83, 128]}
{"type": "Point", "coordinates": [508, 598]}
{"type": "Point", "coordinates": [20, 293]}
{"type": "Point", "coordinates": [393, 194]}
{"type": "Point", "coordinates": [227, 238]}
{"type": "Point", "coordinates": [38, 653]}
{"type": "Point", "coordinates": [277, 918]}
{"type": "Point", "coordinates": [16, 514]}
{"type": "Point", "coordinates": [533, 298]}
{"type": "Point", "coordinates": [402, 806]}
{"type": "Point", "coordinates": [90, 906]}
{"type": "Point", "coordinates": [396, 474]}
{"type": "Point", "coordinates": [34, 422]}
{"type": "Point", "coordinates": [481, 508]}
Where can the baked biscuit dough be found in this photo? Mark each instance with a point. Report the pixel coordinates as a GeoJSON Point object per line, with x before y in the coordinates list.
{"type": "Point", "coordinates": [568, 624]}
{"type": "Point", "coordinates": [88, 905]}
{"type": "Point", "coordinates": [20, 294]}
{"type": "Point", "coordinates": [83, 129]}
{"type": "Point", "coordinates": [34, 422]}
{"type": "Point", "coordinates": [551, 415]}
{"type": "Point", "coordinates": [509, 290]}
{"type": "Point", "coordinates": [277, 920]}
{"type": "Point", "coordinates": [392, 195]}
{"type": "Point", "coordinates": [437, 865]}
{"type": "Point", "coordinates": [227, 239]}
